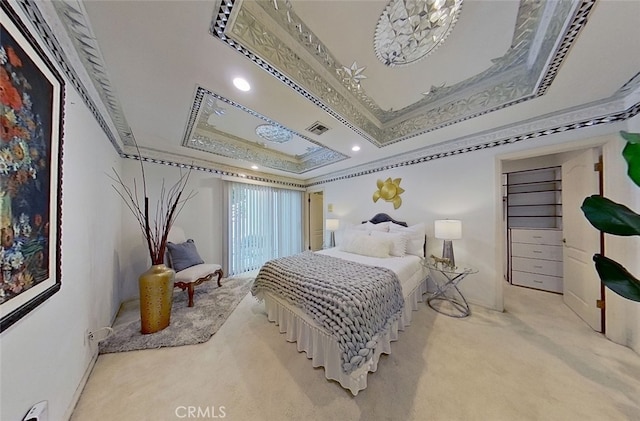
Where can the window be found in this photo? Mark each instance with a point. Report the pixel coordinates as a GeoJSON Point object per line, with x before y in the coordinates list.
{"type": "Point", "coordinates": [264, 223]}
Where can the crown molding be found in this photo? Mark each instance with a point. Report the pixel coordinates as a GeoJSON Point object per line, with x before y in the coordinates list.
{"type": "Point", "coordinates": [623, 105]}
{"type": "Point", "coordinates": [302, 62]}
{"type": "Point", "coordinates": [62, 27]}
{"type": "Point", "coordinates": [61, 45]}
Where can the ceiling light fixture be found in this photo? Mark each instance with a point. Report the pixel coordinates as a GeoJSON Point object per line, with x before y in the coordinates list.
{"type": "Point", "coordinates": [274, 133]}
{"type": "Point", "coordinates": [241, 84]}
{"type": "Point", "coordinates": [254, 167]}
{"type": "Point", "coordinates": [409, 30]}
{"type": "Point", "coordinates": [355, 148]}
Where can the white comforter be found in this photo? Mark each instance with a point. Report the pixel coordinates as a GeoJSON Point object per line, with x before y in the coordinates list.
{"type": "Point", "coordinates": [406, 267]}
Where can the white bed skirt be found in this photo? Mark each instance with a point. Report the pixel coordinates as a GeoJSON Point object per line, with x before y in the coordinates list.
{"type": "Point", "coordinates": [323, 350]}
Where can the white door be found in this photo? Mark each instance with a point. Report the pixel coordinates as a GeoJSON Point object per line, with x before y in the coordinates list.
{"type": "Point", "coordinates": [581, 239]}
{"type": "Point", "coordinates": [316, 227]}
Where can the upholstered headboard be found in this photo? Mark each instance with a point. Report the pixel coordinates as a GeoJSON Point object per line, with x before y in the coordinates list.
{"type": "Point", "coordinates": [383, 217]}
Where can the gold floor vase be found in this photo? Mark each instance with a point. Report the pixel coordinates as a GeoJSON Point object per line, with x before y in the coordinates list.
{"type": "Point", "coordinates": [156, 297]}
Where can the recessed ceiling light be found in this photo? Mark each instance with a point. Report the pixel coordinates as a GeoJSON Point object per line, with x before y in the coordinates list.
{"type": "Point", "coordinates": [355, 148]}
{"type": "Point", "coordinates": [241, 84]}
{"type": "Point", "coordinates": [254, 167]}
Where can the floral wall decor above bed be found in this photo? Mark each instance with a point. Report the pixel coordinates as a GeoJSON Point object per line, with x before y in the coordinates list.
{"type": "Point", "coordinates": [390, 191]}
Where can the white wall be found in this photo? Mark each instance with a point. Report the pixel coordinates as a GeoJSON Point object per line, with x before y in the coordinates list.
{"type": "Point", "coordinates": [45, 355]}
{"type": "Point", "coordinates": [201, 219]}
{"type": "Point", "coordinates": [464, 187]}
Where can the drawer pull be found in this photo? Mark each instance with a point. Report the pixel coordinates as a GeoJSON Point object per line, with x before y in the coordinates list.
{"type": "Point", "coordinates": [537, 236]}
{"type": "Point", "coordinates": [538, 282]}
{"type": "Point", "coordinates": [537, 251]}
{"type": "Point", "coordinates": [537, 267]}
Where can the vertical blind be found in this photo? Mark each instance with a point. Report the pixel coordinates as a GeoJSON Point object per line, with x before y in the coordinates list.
{"type": "Point", "coordinates": [264, 223]}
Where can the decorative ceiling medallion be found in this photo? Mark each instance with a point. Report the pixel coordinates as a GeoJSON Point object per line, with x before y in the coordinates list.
{"type": "Point", "coordinates": [409, 30]}
{"type": "Point", "coordinates": [274, 133]}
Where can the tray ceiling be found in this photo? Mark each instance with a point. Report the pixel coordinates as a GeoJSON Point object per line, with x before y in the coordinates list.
{"type": "Point", "coordinates": [271, 31]}
{"type": "Point", "coordinates": [159, 74]}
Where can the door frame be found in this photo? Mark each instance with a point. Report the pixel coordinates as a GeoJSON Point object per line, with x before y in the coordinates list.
{"type": "Point", "coordinates": [307, 215]}
{"type": "Point", "coordinates": [573, 146]}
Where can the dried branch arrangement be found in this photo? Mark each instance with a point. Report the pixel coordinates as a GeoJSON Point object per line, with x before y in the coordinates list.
{"type": "Point", "coordinates": [168, 207]}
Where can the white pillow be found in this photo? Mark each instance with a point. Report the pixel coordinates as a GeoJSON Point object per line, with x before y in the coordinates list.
{"type": "Point", "coordinates": [398, 242]}
{"type": "Point", "coordinates": [415, 237]}
{"type": "Point", "coordinates": [367, 246]}
{"type": "Point", "coordinates": [349, 233]}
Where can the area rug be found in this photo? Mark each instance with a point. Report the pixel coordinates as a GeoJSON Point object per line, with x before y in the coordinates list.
{"type": "Point", "coordinates": [189, 325]}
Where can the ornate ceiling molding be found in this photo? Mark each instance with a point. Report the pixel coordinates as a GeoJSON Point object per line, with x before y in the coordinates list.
{"type": "Point", "coordinates": [623, 105]}
{"type": "Point", "coordinates": [199, 135]}
{"type": "Point", "coordinates": [182, 161]}
{"type": "Point", "coordinates": [72, 54]}
{"type": "Point", "coordinates": [70, 16]}
{"type": "Point", "coordinates": [544, 31]}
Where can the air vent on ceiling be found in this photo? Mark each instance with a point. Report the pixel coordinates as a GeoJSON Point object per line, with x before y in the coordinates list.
{"type": "Point", "coordinates": [317, 128]}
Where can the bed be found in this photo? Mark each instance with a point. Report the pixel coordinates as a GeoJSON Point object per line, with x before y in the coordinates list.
{"type": "Point", "coordinates": [344, 306]}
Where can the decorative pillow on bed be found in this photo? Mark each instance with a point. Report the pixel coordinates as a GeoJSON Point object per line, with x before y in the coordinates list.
{"type": "Point", "coordinates": [398, 242]}
{"type": "Point", "coordinates": [367, 245]}
{"type": "Point", "coordinates": [348, 235]}
{"type": "Point", "coordinates": [415, 237]}
{"type": "Point", "coordinates": [183, 255]}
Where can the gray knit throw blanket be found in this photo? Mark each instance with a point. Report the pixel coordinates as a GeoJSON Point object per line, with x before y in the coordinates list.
{"type": "Point", "coordinates": [354, 302]}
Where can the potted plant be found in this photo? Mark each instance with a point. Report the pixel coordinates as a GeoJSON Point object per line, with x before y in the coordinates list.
{"type": "Point", "coordinates": [156, 284]}
{"type": "Point", "coordinates": [617, 219]}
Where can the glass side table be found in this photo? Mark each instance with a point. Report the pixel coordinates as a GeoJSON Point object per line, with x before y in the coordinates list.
{"type": "Point", "coordinates": [448, 299]}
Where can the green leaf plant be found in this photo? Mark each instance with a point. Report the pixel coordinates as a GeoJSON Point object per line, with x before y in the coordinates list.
{"type": "Point", "coordinates": [614, 218]}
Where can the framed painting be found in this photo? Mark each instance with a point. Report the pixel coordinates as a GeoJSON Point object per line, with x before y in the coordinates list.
{"type": "Point", "coordinates": [31, 117]}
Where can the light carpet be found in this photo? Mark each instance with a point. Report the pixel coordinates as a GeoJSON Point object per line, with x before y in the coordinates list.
{"type": "Point", "coordinates": [189, 325]}
{"type": "Point", "coordinates": [535, 362]}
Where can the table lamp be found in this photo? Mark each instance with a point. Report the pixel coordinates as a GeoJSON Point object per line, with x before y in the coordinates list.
{"type": "Point", "coordinates": [332, 226]}
{"type": "Point", "coordinates": [447, 230]}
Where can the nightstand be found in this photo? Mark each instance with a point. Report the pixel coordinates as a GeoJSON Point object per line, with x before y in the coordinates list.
{"type": "Point", "coordinates": [448, 299]}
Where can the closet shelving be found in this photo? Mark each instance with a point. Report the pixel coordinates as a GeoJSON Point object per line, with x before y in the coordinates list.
{"type": "Point", "coordinates": [534, 198]}
{"type": "Point", "coordinates": [534, 226]}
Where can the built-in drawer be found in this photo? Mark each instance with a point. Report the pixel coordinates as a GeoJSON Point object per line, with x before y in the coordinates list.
{"type": "Point", "coordinates": [544, 267]}
{"type": "Point", "coordinates": [537, 251]}
{"type": "Point", "coordinates": [550, 236]}
{"type": "Point", "coordinates": [533, 280]}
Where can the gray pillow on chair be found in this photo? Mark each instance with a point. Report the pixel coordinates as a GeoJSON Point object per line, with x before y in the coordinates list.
{"type": "Point", "coordinates": [183, 255]}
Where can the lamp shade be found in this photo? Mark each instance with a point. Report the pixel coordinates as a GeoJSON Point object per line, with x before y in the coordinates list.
{"type": "Point", "coordinates": [448, 229]}
{"type": "Point", "coordinates": [332, 224]}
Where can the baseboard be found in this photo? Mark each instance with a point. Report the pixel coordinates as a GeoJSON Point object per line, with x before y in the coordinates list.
{"type": "Point", "coordinates": [81, 385]}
